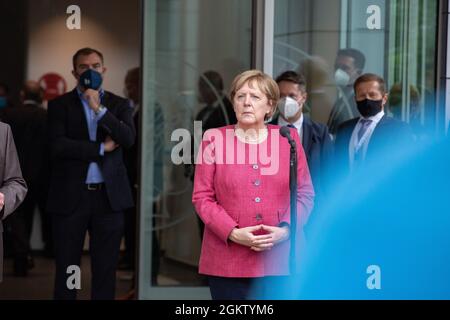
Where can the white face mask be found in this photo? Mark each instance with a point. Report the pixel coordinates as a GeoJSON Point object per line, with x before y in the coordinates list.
{"type": "Point", "coordinates": [341, 77]}
{"type": "Point", "coordinates": [288, 107]}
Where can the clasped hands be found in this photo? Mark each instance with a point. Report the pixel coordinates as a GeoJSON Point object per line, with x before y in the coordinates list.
{"type": "Point", "coordinates": [246, 237]}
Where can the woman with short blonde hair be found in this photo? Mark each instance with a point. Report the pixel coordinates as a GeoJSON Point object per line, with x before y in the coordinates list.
{"type": "Point", "coordinates": [245, 207]}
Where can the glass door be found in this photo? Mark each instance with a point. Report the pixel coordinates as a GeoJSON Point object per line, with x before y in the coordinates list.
{"type": "Point", "coordinates": [192, 51]}
{"type": "Point", "coordinates": [395, 39]}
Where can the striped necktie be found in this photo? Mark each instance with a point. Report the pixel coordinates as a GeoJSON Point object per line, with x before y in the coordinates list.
{"type": "Point", "coordinates": [364, 126]}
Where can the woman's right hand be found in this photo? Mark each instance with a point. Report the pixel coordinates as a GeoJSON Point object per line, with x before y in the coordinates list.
{"type": "Point", "coordinates": [245, 237]}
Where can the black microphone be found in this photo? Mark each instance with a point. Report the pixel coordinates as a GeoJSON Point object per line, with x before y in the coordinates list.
{"type": "Point", "coordinates": [286, 132]}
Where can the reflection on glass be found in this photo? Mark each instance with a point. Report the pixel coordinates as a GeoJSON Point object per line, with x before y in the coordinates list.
{"type": "Point", "coordinates": [193, 49]}
{"type": "Point", "coordinates": [309, 35]}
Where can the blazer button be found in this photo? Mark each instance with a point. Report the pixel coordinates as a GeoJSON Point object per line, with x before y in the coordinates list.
{"type": "Point", "coordinates": [257, 199]}
{"type": "Point", "coordinates": [257, 182]}
{"type": "Point", "coordinates": [255, 166]}
{"type": "Point", "coordinates": [258, 216]}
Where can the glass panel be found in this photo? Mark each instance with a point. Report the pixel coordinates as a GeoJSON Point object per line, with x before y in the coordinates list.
{"type": "Point", "coordinates": [182, 40]}
{"type": "Point", "coordinates": [396, 38]}
{"type": "Point", "coordinates": [412, 65]}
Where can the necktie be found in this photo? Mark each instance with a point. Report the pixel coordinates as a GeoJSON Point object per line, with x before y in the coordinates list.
{"type": "Point", "coordinates": [364, 125]}
{"type": "Point", "coordinates": [300, 133]}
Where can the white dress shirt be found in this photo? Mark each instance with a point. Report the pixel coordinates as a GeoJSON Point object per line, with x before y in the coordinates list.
{"type": "Point", "coordinates": [297, 124]}
{"type": "Point", "coordinates": [361, 145]}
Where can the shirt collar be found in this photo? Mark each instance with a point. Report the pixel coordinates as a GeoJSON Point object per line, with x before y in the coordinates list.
{"type": "Point", "coordinates": [298, 124]}
{"type": "Point", "coordinates": [376, 118]}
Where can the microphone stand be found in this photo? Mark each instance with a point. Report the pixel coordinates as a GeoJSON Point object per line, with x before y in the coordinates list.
{"type": "Point", "coordinates": [293, 198]}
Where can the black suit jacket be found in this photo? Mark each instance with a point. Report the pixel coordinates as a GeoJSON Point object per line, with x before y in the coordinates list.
{"type": "Point", "coordinates": [318, 149]}
{"type": "Point", "coordinates": [72, 151]}
{"type": "Point", "coordinates": [388, 136]}
{"type": "Point", "coordinates": [29, 127]}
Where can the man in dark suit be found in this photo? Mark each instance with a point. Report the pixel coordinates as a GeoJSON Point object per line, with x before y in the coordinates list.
{"type": "Point", "coordinates": [315, 138]}
{"type": "Point", "coordinates": [89, 187]}
{"type": "Point", "coordinates": [28, 123]}
{"type": "Point", "coordinates": [372, 134]}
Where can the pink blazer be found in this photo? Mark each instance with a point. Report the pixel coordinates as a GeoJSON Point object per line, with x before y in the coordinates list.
{"type": "Point", "coordinates": [230, 191]}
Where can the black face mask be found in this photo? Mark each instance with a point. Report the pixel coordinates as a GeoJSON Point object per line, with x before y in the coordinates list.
{"type": "Point", "coordinates": [368, 108]}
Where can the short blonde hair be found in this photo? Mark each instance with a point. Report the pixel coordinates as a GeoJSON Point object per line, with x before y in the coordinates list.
{"type": "Point", "coordinates": [264, 83]}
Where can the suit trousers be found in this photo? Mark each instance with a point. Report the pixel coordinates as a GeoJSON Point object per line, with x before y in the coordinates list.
{"type": "Point", "coordinates": [21, 225]}
{"type": "Point", "coordinates": [261, 288]}
{"type": "Point", "coordinates": [1, 251]}
{"type": "Point", "coordinates": [105, 227]}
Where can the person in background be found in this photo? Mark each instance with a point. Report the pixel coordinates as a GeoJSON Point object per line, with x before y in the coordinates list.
{"type": "Point", "coordinates": [89, 128]}
{"type": "Point", "coordinates": [132, 163]}
{"type": "Point", "coordinates": [314, 136]}
{"type": "Point", "coordinates": [4, 97]}
{"type": "Point", "coordinates": [412, 112]}
{"type": "Point", "coordinates": [372, 132]}
{"type": "Point", "coordinates": [349, 65]}
{"type": "Point", "coordinates": [217, 112]}
{"type": "Point", "coordinates": [316, 73]}
{"type": "Point", "coordinates": [28, 123]}
{"type": "Point", "coordinates": [13, 187]}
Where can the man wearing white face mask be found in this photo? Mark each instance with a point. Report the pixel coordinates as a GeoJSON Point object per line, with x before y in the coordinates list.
{"type": "Point", "coordinates": [314, 136]}
{"type": "Point", "coordinates": [349, 66]}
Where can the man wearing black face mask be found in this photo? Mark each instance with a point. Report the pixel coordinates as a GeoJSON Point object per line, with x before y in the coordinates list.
{"type": "Point", "coordinates": [373, 133]}
{"type": "Point", "coordinates": [89, 187]}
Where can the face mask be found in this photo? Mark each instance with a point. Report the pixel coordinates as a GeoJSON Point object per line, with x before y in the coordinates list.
{"type": "Point", "coordinates": [341, 77]}
{"type": "Point", "coordinates": [368, 108]}
{"type": "Point", "coordinates": [3, 102]}
{"type": "Point", "coordinates": [288, 107]}
{"type": "Point", "coordinates": [91, 79]}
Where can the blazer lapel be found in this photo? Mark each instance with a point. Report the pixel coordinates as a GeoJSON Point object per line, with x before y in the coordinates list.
{"type": "Point", "coordinates": [307, 133]}
{"type": "Point", "coordinates": [102, 132]}
{"type": "Point", "coordinates": [77, 115]}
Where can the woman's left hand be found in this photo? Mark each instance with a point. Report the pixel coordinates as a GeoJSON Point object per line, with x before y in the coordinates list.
{"type": "Point", "coordinates": [278, 234]}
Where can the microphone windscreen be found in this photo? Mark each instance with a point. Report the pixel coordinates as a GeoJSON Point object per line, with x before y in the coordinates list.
{"type": "Point", "coordinates": [285, 132]}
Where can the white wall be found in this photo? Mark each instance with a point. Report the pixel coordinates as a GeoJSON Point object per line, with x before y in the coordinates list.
{"type": "Point", "coordinates": [110, 26]}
